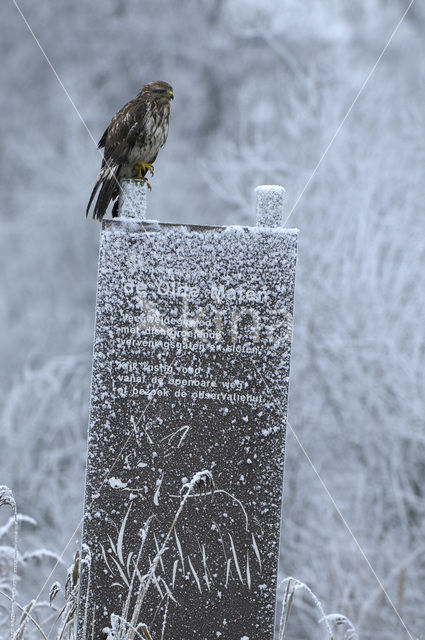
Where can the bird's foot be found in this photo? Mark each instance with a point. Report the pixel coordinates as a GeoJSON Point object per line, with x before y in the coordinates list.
{"type": "Point", "coordinates": [142, 168]}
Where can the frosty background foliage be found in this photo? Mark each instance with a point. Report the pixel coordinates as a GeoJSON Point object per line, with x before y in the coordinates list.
{"type": "Point", "coordinates": [260, 89]}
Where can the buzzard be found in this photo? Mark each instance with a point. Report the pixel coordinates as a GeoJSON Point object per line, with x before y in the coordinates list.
{"type": "Point", "coordinates": [131, 143]}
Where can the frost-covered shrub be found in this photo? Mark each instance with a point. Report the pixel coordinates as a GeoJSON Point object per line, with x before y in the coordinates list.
{"type": "Point", "coordinates": [43, 445]}
{"type": "Point", "coordinates": [14, 565]}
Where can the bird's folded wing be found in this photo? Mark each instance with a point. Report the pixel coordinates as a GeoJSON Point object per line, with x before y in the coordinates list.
{"type": "Point", "coordinates": [122, 132]}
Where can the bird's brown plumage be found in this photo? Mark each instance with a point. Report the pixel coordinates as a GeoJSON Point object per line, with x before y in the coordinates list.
{"type": "Point", "coordinates": [133, 137]}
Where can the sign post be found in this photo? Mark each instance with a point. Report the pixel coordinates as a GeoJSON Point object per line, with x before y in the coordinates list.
{"type": "Point", "coordinates": [187, 427]}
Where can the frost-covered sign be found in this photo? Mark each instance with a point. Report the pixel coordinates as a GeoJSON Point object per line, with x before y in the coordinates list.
{"type": "Point", "coordinates": [187, 423]}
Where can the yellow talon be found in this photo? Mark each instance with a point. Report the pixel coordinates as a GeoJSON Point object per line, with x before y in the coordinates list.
{"type": "Point", "coordinates": [143, 167]}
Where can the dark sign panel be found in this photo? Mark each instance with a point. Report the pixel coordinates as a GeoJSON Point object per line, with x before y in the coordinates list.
{"type": "Point", "coordinates": [187, 424]}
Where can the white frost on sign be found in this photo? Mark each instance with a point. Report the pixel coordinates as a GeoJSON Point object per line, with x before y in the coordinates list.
{"type": "Point", "coordinates": [116, 483]}
{"type": "Point", "coordinates": [158, 488]}
{"type": "Point", "coordinates": [267, 432]}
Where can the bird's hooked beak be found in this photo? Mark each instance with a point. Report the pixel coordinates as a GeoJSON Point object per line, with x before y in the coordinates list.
{"type": "Point", "coordinates": [170, 95]}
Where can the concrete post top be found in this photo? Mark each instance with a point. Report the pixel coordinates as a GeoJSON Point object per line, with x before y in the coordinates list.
{"type": "Point", "coordinates": [133, 199]}
{"type": "Point", "coordinates": [270, 199]}
{"type": "Point", "coordinates": [269, 206]}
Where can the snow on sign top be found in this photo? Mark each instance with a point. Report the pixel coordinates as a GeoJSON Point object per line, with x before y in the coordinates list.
{"type": "Point", "coordinates": [186, 436]}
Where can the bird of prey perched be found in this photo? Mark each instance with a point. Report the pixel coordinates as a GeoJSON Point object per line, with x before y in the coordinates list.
{"type": "Point", "coordinates": [131, 143]}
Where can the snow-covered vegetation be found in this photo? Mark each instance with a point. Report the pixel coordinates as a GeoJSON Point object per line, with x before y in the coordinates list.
{"type": "Point", "coordinates": [260, 89]}
{"type": "Point", "coordinates": [57, 616]}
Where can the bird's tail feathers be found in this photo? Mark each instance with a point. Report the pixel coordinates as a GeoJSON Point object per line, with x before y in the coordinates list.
{"type": "Point", "coordinates": [93, 193]}
{"type": "Point", "coordinates": [108, 178]}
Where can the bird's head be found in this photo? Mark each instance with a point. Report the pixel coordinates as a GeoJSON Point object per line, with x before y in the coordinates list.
{"type": "Point", "coordinates": [159, 91]}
